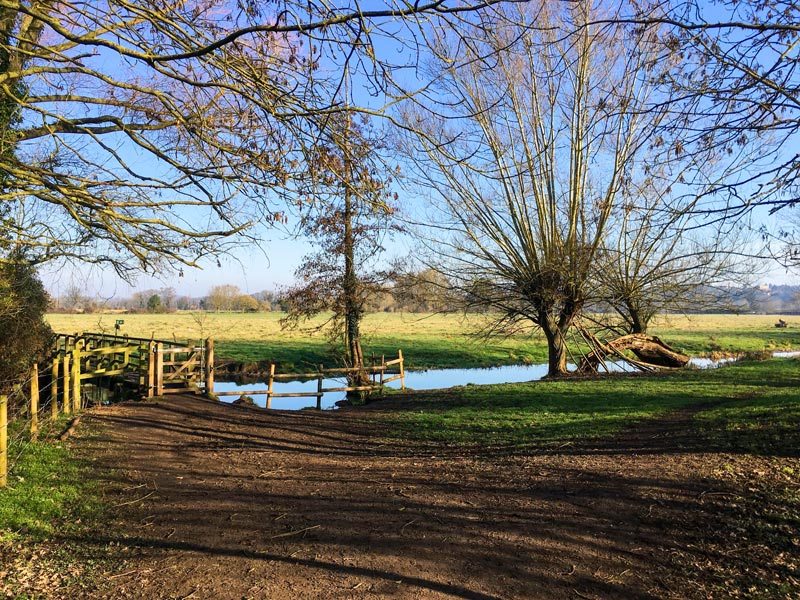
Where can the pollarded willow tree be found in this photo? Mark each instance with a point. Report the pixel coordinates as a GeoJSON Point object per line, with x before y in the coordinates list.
{"type": "Point", "coordinates": [659, 256]}
{"type": "Point", "coordinates": [541, 120]}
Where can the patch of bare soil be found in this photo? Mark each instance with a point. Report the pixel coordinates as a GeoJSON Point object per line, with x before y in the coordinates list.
{"type": "Point", "coordinates": [215, 501]}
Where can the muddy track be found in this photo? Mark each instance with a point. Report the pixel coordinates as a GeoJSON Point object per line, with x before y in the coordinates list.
{"type": "Point", "coordinates": [214, 501]}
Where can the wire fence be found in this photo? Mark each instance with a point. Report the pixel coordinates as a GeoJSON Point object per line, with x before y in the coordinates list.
{"type": "Point", "coordinates": [24, 420]}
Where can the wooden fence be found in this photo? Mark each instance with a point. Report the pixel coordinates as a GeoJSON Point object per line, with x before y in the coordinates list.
{"type": "Point", "coordinates": [156, 368]}
{"type": "Point", "coordinates": [379, 375]}
{"type": "Point", "coordinates": [29, 419]}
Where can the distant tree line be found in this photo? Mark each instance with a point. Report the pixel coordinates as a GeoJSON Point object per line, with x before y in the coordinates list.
{"type": "Point", "coordinates": [423, 291]}
{"type": "Point", "coordinates": [221, 298]}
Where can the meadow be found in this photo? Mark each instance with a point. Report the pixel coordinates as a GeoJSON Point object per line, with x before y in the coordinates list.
{"type": "Point", "coordinates": [751, 406]}
{"type": "Point", "coordinates": [427, 340]}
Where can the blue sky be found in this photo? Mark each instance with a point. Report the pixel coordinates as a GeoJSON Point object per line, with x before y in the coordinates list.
{"type": "Point", "coordinates": [252, 268]}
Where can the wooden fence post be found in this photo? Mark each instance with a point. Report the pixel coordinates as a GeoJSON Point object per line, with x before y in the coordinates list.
{"type": "Point", "coordinates": [319, 389]}
{"type": "Point", "coordinates": [35, 402]}
{"type": "Point", "coordinates": [151, 369]}
{"type": "Point", "coordinates": [210, 367]}
{"type": "Point", "coordinates": [383, 370]}
{"type": "Point", "coordinates": [270, 382]}
{"type": "Point", "coordinates": [54, 389]}
{"type": "Point", "coordinates": [76, 377]}
{"type": "Point", "coordinates": [67, 405]}
{"type": "Point", "coordinates": [159, 369]}
{"type": "Point", "coordinates": [141, 358]}
{"type": "Point", "coordinates": [402, 370]}
{"type": "Point", "coordinates": [3, 441]}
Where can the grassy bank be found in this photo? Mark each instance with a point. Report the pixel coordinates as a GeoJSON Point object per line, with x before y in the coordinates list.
{"type": "Point", "coordinates": [427, 340]}
{"type": "Point", "coordinates": [51, 496]}
{"type": "Point", "coordinates": [753, 406]}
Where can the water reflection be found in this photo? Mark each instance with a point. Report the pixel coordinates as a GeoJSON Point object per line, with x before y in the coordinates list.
{"type": "Point", "coordinates": [432, 379]}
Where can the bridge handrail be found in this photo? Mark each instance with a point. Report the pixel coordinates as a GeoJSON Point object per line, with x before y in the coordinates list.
{"type": "Point", "coordinates": [121, 338]}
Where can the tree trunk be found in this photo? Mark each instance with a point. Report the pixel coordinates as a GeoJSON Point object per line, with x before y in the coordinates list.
{"type": "Point", "coordinates": [637, 321]}
{"type": "Point", "coordinates": [637, 324]}
{"type": "Point", "coordinates": [648, 349]}
{"type": "Point", "coordinates": [556, 348]}
{"type": "Point", "coordinates": [352, 306]}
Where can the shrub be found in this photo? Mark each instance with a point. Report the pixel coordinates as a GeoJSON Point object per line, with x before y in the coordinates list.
{"type": "Point", "coordinates": [24, 335]}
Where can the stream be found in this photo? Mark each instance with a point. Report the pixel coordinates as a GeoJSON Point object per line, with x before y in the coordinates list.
{"type": "Point", "coordinates": [432, 379]}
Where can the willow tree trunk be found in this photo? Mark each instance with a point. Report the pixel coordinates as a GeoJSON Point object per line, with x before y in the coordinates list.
{"type": "Point", "coordinates": [556, 348]}
{"type": "Point", "coordinates": [636, 321]}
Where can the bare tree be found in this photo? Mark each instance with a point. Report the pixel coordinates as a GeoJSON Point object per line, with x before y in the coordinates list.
{"type": "Point", "coordinates": [147, 134]}
{"type": "Point", "coordinates": [540, 120]}
{"type": "Point", "coordinates": [74, 298]}
{"type": "Point", "coordinates": [659, 258]}
{"type": "Point", "coordinates": [108, 155]}
{"type": "Point", "coordinates": [739, 93]}
{"type": "Point", "coordinates": [426, 290]}
{"type": "Point", "coordinates": [167, 295]}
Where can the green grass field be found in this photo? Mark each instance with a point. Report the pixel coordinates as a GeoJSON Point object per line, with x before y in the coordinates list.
{"type": "Point", "coordinates": [756, 408]}
{"type": "Point", "coordinates": [427, 340]}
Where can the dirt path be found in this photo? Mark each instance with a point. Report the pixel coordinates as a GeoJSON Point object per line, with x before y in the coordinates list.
{"type": "Point", "coordinates": [213, 501]}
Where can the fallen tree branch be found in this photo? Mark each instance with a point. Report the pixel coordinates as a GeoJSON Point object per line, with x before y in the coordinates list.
{"type": "Point", "coordinates": [287, 534]}
{"type": "Point", "coordinates": [651, 352]}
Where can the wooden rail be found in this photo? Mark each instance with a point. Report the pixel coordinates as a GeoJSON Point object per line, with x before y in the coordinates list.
{"type": "Point", "coordinates": [157, 367]}
{"type": "Point", "coordinates": [154, 366]}
{"type": "Point", "coordinates": [321, 374]}
{"type": "Point", "coordinates": [3, 441]}
{"type": "Point", "coordinates": [162, 367]}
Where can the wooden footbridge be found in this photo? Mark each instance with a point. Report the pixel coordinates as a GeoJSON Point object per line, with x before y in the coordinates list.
{"type": "Point", "coordinates": [151, 367]}
{"type": "Point", "coordinates": [148, 368]}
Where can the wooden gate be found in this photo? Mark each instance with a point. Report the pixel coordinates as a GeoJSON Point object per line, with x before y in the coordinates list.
{"type": "Point", "coordinates": [179, 369]}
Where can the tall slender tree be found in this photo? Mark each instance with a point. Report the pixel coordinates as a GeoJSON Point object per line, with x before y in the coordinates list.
{"type": "Point", "coordinates": [347, 215]}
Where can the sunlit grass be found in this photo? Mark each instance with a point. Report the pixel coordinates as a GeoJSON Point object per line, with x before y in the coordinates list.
{"type": "Point", "coordinates": [754, 406]}
{"type": "Point", "coordinates": [47, 489]}
{"type": "Point", "coordinates": [426, 340]}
